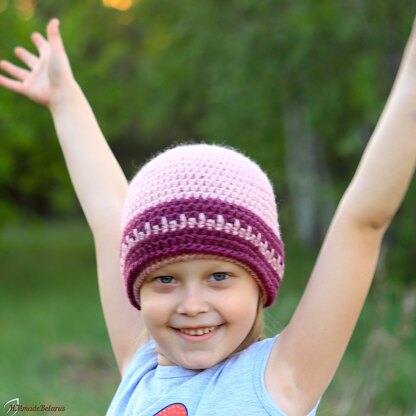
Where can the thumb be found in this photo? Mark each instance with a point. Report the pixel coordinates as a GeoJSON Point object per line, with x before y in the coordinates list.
{"type": "Point", "coordinates": [54, 36]}
{"type": "Point", "coordinates": [59, 64]}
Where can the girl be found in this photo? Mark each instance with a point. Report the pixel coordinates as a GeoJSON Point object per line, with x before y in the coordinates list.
{"type": "Point", "coordinates": [201, 256]}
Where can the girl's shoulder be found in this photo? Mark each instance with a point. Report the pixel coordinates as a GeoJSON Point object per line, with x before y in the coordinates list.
{"type": "Point", "coordinates": [264, 344]}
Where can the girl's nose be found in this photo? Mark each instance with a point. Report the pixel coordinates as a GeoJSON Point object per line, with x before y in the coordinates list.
{"type": "Point", "coordinates": [192, 303]}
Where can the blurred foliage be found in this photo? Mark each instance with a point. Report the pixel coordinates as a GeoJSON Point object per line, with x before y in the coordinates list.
{"type": "Point", "coordinates": [161, 72]}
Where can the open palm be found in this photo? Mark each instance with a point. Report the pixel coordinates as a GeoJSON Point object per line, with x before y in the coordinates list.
{"type": "Point", "coordinates": [46, 73]}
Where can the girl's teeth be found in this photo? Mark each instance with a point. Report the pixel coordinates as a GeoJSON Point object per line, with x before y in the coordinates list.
{"type": "Point", "coordinates": [201, 331]}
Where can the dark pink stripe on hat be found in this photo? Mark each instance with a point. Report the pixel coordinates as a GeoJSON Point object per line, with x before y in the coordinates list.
{"type": "Point", "coordinates": [211, 208]}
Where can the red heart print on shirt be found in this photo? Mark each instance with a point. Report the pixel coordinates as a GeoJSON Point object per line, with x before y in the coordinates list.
{"type": "Point", "coordinates": [175, 409]}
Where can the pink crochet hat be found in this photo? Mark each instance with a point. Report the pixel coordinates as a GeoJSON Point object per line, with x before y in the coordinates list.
{"type": "Point", "coordinates": [201, 201]}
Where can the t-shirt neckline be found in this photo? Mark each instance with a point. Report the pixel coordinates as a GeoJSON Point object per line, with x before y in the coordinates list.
{"type": "Point", "coordinates": [174, 371]}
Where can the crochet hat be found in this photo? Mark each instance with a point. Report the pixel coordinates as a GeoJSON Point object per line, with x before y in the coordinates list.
{"type": "Point", "coordinates": [201, 201]}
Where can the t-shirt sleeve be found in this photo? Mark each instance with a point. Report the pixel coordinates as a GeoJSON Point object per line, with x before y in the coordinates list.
{"type": "Point", "coordinates": [145, 354]}
{"type": "Point", "coordinates": [260, 358]}
{"type": "Point", "coordinates": [143, 361]}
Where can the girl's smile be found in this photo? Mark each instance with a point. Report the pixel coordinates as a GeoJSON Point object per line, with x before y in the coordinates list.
{"type": "Point", "coordinates": [197, 334]}
{"type": "Point", "coordinates": [198, 311]}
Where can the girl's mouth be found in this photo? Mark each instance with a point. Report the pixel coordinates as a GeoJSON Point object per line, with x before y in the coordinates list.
{"type": "Point", "coordinates": [197, 334]}
{"type": "Point", "coordinates": [199, 331]}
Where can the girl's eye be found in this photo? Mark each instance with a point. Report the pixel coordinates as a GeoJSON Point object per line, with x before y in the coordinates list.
{"type": "Point", "coordinates": [165, 279]}
{"type": "Point", "coordinates": [219, 277]}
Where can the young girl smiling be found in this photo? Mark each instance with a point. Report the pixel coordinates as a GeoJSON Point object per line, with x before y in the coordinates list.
{"type": "Point", "coordinates": [197, 237]}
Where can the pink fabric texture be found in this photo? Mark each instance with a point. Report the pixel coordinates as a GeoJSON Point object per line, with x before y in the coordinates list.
{"type": "Point", "coordinates": [201, 200]}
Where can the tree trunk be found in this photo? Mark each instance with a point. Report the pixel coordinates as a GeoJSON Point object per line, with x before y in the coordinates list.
{"type": "Point", "coordinates": [308, 176]}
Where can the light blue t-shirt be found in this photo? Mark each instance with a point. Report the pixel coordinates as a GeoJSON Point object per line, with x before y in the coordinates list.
{"type": "Point", "coordinates": [233, 387]}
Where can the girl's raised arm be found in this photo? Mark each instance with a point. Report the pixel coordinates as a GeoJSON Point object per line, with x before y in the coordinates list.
{"type": "Point", "coordinates": [310, 348]}
{"type": "Point", "coordinates": [98, 180]}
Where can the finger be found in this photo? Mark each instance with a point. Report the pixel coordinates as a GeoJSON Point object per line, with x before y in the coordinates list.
{"type": "Point", "coordinates": [27, 57]}
{"type": "Point", "coordinates": [39, 41]}
{"type": "Point", "coordinates": [54, 36]}
{"type": "Point", "coordinates": [13, 70]}
{"type": "Point", "coordinates": [11, 84]}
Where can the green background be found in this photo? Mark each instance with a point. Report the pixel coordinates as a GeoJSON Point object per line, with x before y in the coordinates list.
{"type": "Point", "coordinates": [297, 85]}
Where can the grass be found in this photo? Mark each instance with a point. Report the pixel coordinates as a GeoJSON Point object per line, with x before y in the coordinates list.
{"type": "Point", "coordinates": [54, 347]}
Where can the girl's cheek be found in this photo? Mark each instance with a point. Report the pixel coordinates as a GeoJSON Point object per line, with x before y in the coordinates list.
{"type": "Point", "coordinates": [163, 287]}
{"type": "Point", "coordinates": [156, 298]}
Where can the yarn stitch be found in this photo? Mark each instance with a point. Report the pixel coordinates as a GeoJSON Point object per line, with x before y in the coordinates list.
{"type": "Point", "coordinates": [201, 201]}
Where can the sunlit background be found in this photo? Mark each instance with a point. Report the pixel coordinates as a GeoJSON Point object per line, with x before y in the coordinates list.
{"type": "Point", "coordinates": [27, 8]}
{"type": "Point", "coordinates": [297, 85]}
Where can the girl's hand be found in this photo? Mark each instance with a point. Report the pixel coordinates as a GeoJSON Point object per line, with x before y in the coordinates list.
{"type": "Point", "coordinates": [406, 76]}
{"type": "Point", "coordinates": [48, 73]}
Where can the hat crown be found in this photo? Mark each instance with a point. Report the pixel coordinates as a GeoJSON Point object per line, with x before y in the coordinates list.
{"type": "Point", "coordinates": [202, 171]}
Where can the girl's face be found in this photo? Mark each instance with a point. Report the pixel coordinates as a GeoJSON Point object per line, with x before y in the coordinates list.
{"type": "Point", "coordinates": [198, 311]}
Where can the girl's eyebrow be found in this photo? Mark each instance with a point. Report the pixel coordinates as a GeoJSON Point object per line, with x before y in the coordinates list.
{"type": "Point", "coordinates": [225, 267]}
{"type": "Point", "coordinates": [159, 272]}
{"type": "Point", "coordinates": [215, 267]}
